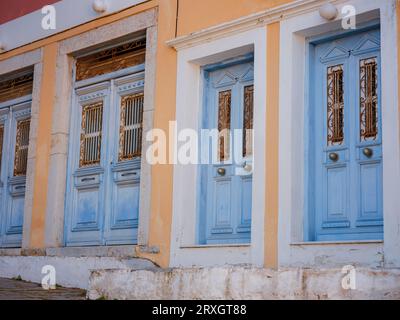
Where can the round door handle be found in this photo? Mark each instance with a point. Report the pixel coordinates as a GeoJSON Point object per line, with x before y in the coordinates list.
{"type": "Point", "coordinates": [221, 171]}
{"type": "Point", "coordinates": [368, 152]}
{"type": "Point", "coordinates": [334, 156]}
{"type": "Point", "coordinates": [247, 167]}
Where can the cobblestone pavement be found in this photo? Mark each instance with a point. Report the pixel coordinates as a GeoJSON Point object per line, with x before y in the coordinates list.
{"type": "Point", "coordinates": [21, 290]}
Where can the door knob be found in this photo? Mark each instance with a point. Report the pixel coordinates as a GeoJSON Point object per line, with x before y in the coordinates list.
{"type": "Point", "coordinates": [368, 152]}
{"type": "Point", "coordinates": [334, 156]}
{"type": "Point", "coordinates": [247, 167]}
{"type": "Point", "coordinates": [221, 171]}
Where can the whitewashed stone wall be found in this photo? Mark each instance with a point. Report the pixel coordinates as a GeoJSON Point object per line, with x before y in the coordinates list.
{"type": "Point", "coordinates": [242, 283]}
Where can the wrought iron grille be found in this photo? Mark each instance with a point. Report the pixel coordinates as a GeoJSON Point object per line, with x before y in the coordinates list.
{"type": "Point", "coordinates": [109, 60]}
{"type": "Point", "coordinates": [21, 147]}
{"type": "Point", "coordinates": [335, 92]}
{"type": "Point", "coordinates": [369, 99]}
{"type": "Point", "coordinates": [16, 87]}
{"type": "Point", "coordinates": [224, 124]}
{"type": "Point", "coordinates": [91, 134]}
{"type": "Point", "coordinates": [1, 143]}
{"type": "Point", "coordinates": [248, 121]}
{"type": "Point", "coordinates": [131, 127]}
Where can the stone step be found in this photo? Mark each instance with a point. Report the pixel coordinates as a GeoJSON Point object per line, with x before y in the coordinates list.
{"type": "Point", "coordinates": [15, 289]}
{"type": "Point", "coordinates": [244, 283]}
{"type": "Point", "coordinates": [72, 271]}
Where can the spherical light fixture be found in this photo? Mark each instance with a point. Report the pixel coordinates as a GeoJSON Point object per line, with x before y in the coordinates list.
{"type": "Point", "coordinates": [100, 6]}
{"type": "Point", "coordinates": [328, 11]}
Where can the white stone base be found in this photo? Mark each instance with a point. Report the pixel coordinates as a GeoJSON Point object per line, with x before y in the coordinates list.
{"type": "Point", "coordinates": [242, 283]}
{"type": "Point", "coordinates": [71, 272]}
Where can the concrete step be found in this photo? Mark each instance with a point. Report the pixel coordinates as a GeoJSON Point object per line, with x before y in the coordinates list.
{"type": "Point", "coordinates": [15, 289]}
{"type": "Point", "coordinates": [73, 266]}
{"type": "Point", "coordinates": [244, 283]}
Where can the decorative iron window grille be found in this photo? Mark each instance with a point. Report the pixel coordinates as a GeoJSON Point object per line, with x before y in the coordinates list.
{"type": "Point", "coordinates": [248, 121]}
{"type": "Point", "coordinates": [224, 123]}
{"type": "Point", "coordinates": [369, 99]}
{"type": "Point", "coordinates": [335, 93]}
{"type": "Point", "coordinates": [16, 87]}
{"type": "Point", "coordinates": [109, 60]}
{"type": "Point", "coordinates": [1, 143]}
{"type": "Point", "coordinates": [91, 134]}
{"type": "Point", "coordinates": [131, 127]}
{"type": "Point", "coordinates": [21, 147]}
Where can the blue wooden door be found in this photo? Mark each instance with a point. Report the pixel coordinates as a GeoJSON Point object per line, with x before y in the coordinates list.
{"type": "Point", "coordinates": [348, 139]}
{"type": "Point", "coordinates": [14, 144]}
{"type": "Point", "coordinates": [226, 183]}
{"type": "Point", "coordinates": [102, 206]}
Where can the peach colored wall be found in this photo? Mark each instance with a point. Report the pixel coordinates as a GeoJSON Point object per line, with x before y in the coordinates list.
{"type": "Point", "coordinates": [195, 15]}
{"type": "Point", "coordinates": [272, 147]}
{"type": "Point", "coordinates": [165, 102]}
{"type": "Point", "coordinates": [47, 95]}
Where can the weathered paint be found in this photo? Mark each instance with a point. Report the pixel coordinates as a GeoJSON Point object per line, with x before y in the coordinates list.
{"type": "Point", "coordinates": [238, 283]}
{"type": "Point", "coordinates": [47, 94]}
{"type": "Point", "coordinates": [272, 147]}
{"type": "Point", "coordinates": [71, 271]}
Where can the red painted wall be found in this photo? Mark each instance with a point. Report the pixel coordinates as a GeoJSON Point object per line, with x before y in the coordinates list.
{"type": "Point", "coordinates": [12, 9]}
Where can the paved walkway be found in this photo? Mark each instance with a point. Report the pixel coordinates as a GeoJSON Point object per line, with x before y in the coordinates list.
{"type": "Point", "coordinates": [21, 290]}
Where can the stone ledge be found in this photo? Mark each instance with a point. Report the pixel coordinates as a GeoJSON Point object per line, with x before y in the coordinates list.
{"type": "Point", "coordinates": [104, 251]}
{"type": "Point", "coordinates": [125, 251]}
{"type": "Point", "coordinates": [238, 283]}
{"type": "Point", "coordinates": [71, 272]}
{"type": "Point", "coordinates": [6, 252]}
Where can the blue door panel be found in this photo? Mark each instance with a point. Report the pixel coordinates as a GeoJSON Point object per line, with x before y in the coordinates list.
{"type": "Point", "coordinates": [102, 204]}
{"type": "Point", "coordinates": [122, 226]}
{"type": "Point", "coordinates": [371, 202]}
{"type": "Point", "coordinates": [17, 214]}
{"type": "Point", "coordinates": [346, 189]}
{"type": "Point", "coordinates": [127, 207]}
{"type": "Point", "coordinates": [223, 213]}
{"type": "Point", "coordinates": [225, 190]}
{"type": "Point", "coordinates": [246, 200]}
{"type": "Point", "coordinates": [87, 215]}
{"type": "Point", "coordinates": [336, 194]}
{"type": "Point", "coordinates": [12, 185]}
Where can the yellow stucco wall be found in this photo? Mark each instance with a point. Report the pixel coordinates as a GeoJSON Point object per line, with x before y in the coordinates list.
{"type": "Point", "coordinates": [195, 15]}
{"type": "Point", "coordinates": [42, 152]}
{"type": "Point", "coordinates": [272, 148]}
{"type": "Point", "coordinates": [165, 101]}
